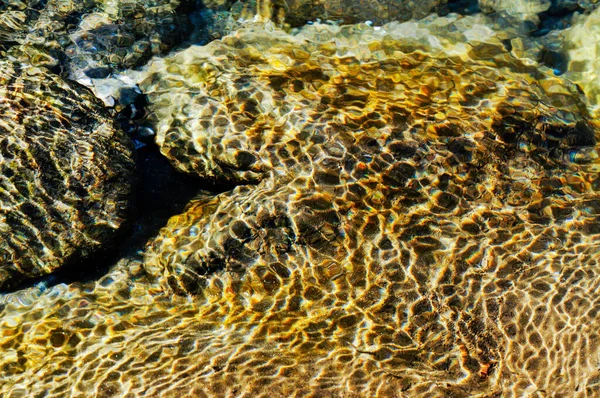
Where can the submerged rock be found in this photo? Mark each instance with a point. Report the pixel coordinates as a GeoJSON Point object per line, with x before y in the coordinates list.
{"type": "Point", "coordinates": [536, 17]}
{"type": "Point", "coordinates": [65, 173]}
{"type": "Point", "coordinates": [580, 44]}
{"type": "Point", "coordinates": [523, 9]}
{"type": "Point", "coordinates": [94, 37]}
{"type": "Point", "coordinates": [218, 109]}
{"type": "Point", "coordinates": [298, 12]}
{"type": "Point", "coordinates": [401, 185]}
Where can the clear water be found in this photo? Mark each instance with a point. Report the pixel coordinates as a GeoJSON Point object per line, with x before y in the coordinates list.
{"type": "Point", "coordinates": [397, 209]}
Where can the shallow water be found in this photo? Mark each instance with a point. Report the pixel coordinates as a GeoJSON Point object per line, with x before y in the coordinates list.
{"type": "Point", "coordinates": [402, 209]}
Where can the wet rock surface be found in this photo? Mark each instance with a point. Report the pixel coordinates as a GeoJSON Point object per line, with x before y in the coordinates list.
{"type": "Point", "coordinates": [66, 173]}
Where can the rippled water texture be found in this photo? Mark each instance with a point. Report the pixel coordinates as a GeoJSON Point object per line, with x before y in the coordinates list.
{"type": "Point", "coordinates": [406, 208]}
